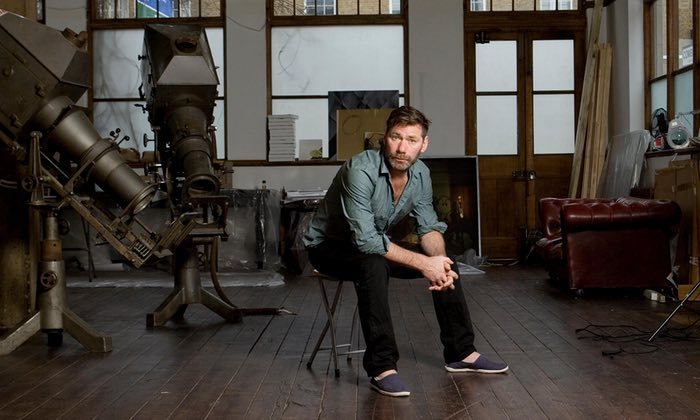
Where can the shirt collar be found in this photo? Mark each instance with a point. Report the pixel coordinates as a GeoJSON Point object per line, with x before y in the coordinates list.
{"type": "Point", "coordinates": [384, 168]}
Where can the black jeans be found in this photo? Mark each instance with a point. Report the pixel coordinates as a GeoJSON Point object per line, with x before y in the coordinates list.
{"type": "Point", "coordinates": [370, 274]}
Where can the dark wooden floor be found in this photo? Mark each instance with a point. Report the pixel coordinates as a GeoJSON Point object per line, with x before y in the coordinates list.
{"type": "Point", "coordinates": [206, 368]}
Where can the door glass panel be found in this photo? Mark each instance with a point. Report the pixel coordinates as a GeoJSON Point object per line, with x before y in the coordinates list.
{"type": "Point", "coordinates": [497, 125]}
{"type": "Point", "coordinates": [553, 123]}
{"type": "Point", "coordinates": [316, 59]}
{"type": "Point", "coordinates": [553, 64]}
{"type": "Point", "coordinates": [496, 66]}
{"type": "Point", "coordinates": [659, 98]}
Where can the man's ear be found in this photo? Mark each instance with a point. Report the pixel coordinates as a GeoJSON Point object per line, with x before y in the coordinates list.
{"type": "Point", "coordinates": [425, 144]}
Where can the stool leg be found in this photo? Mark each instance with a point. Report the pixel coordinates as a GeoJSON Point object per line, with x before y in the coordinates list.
{"type": "Point", "coordinates": [352, 332]}
{"type": "Point", "coordinates": [330, 311]}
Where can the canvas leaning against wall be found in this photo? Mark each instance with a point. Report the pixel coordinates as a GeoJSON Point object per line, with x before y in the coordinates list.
{"type": "Point", "coordinates": [456, 202]}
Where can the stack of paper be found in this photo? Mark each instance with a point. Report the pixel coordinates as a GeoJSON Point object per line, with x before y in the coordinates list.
{"type": "Point", "coordinates": [282, 129]}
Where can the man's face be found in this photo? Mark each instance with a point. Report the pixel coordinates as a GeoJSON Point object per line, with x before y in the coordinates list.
{"type": "Point", "coordinates": [402, 146]}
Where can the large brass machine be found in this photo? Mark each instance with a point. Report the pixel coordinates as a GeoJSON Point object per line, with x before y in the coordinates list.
{"type": "Point", "coordinates": [179, 84]}
{"type": "Point", "coordinates": [50, 150]}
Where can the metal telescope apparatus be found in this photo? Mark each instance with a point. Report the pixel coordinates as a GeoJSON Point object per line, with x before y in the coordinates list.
{"type": "Point", "coordinates": [43, 72]}
{"type": "Point", "coordinates": [179, 85]}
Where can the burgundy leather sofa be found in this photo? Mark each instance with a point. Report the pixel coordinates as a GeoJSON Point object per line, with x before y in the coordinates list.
{"type": "Point", "coordinates": [607, 243]}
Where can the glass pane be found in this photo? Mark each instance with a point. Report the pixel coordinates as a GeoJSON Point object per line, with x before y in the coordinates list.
{"type": "Point", "coordinates": [283, 8]}
{"type": "Point", "coordinates": [347, 7]}
{"type": "Point", "coordinates": [685, 33]}
{"type": "Point", "coordinates": [658, 38]}
{"type": "Point", "coordinates": [568, 5]}
{"type": "Point", "coordinates": [318, 7]}
{"type": "Point", "coordinates": [126, 9]}
{"type": "Point", "coordinates": [108, 116]}
{"type": "Point", "coordinates": [313, 118]}
{"type": "Point", "coordinates": [369, 7]}
{"type": "Point", "coordinates": [553, 123]}
{"type": "Point", "coordinates": [317, 59]}
{"type": "Point", "coordinates": [116, 68]}
{"type": "Point", "coordinates": [546, 4]}
{"type": "Point", "coordinates": [496, 67]}
{"type": "Point", "coordinates": [501, 5]}
{"type": "Point", "coordinates": [115, 63]}
{"type": "Point", "coordinates": [220, 125]}
{"type": "Point", "coordinates": [659, 96]}
{"type": "Point", "coordinates": [211, 8]}
{"type": "Point", "coordinates": [104, 9]}
{"type": "Point", "coordinates": [496, 125]}
{"type": "Point", "coordinates": [683, 88]}
{"type": "Point", "coordinates": [155, 8]}
{"type": "Point", "coordinates": [189, 8]}
{"type": "Point", "coordinates": [479, 5]}
{"type": "Point", "coordinates": [215, 36]}
{"type": "Point", "coordinates": [392, 7]}
{"type": "Point", "coordinates": [553, 64]}
{"type": "Point", "coordinates": [524, 5]}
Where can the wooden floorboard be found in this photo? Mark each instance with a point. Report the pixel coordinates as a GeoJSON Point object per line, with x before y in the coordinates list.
{"type": "Point", "coordinates": [206, 368]}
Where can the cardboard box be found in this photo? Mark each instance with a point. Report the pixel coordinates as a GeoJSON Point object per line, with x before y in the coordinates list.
{"type": "Point", "coordinates": [354, 125]}
{"type": "Point", "coordinates": [679, 182]}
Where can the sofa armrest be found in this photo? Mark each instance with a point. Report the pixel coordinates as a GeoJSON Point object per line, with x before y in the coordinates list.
{"type": "Point", "coordinates": [622, 212]}
{"type": "Point", "coordinates": [550, 212]}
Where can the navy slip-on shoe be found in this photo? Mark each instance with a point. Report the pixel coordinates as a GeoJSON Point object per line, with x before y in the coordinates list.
{"type": "Point", "coordinates": [480, 365]}
{"type": "Point", "coordinates": [391, 385]}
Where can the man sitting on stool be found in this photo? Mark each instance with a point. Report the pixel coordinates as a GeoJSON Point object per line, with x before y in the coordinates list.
{"type": "Point", "coordinates": [347, 238]}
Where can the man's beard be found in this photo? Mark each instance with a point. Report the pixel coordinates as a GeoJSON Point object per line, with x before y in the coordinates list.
{"type": "Point", "coordinates": [399, 165]}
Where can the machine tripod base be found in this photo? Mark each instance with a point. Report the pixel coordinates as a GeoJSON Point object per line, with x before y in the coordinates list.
{"type": "Point", "coordinates": [174, 306]}
{"type": "Point", "coordinates": [72, 324]}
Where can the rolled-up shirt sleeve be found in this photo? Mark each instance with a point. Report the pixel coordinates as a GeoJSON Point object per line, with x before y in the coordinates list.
{"type": "Point", "coordinates": [424, 212]}
{"type": "Point", "coordinates": [356, 191]}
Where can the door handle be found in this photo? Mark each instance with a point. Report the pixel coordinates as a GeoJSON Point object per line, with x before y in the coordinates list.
{"type": "Point", "coordinates": [524, 175]}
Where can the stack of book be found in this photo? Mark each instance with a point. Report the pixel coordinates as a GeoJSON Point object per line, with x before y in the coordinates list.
{"type": "Point", "coordinates": [282, 129]}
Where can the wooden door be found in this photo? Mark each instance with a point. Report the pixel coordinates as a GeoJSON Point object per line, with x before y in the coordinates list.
{"type": "Point", "coordinates": [521, 101]}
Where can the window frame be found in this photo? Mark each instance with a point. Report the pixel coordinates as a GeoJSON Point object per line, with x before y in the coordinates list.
{"type": "Point", "coordinates": [487, 6]}
{"type": "Point", "coordinates": [329, 20]}
{"type": "Point", "coordinates": [673, 68]}
{"type": "Point", "coordinates": [98, 24]}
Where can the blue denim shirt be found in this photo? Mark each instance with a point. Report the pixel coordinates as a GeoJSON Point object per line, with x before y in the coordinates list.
{"type": "Point", "coordinates": [359, 206]}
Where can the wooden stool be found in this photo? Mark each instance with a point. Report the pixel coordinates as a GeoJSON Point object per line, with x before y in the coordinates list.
{"type": "Point", "coordinates": [330, 308]}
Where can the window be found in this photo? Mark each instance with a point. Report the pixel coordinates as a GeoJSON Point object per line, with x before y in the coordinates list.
{"type": "Point", "coordinates": [548, 5]}
{"type": "Point", "coordinates": [670, 30]}
{"type": "Point", "coordinates": [522, 5]}
{"type": "Point", "coordinates": [478, 5]}
{"type": "Point", "coordinates": [394, 7]}
{"type": "Point", "coordinates": [314, 60]}
{"type": "Point", "coordinates": [319, 7]}
{"type": "Point", "coordinates": [115, 98]}
{"type": "Point", "coordinates": [334, 7]}
{"type": "Point", "coordinates": [155, 9]}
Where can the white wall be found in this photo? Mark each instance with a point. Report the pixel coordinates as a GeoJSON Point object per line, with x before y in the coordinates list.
{"type": "Point", "coordinates": [436, 71]}
{"type": "Point", "coordinates": [246, 80]}
{"type": "Point", "coordinates": [624, 30]}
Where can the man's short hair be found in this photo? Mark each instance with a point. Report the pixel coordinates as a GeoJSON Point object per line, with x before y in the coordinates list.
{"type": "Point", "coordinates": [407, 115]}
